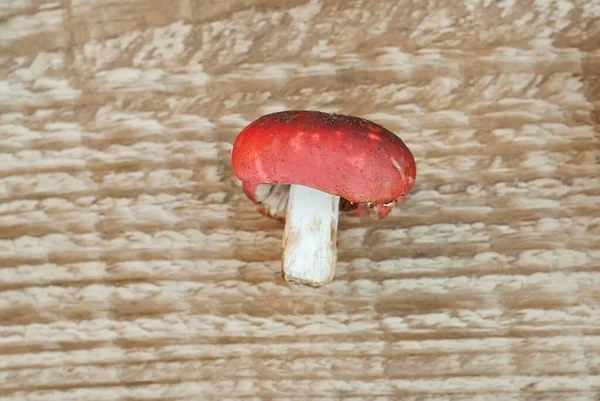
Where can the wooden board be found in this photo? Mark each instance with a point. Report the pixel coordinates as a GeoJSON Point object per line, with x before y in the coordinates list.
{"type": "Point", "coordinates": [132, 267]}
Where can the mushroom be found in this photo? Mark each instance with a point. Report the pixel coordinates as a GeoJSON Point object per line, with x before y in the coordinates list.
{"type": "Point", "coordinates": [305, 167]}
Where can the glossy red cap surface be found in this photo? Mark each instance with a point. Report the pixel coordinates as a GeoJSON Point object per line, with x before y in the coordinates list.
{"type": "Point", "coordinates": [348, 156]}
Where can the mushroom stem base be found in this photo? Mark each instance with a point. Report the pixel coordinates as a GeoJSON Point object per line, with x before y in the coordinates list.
{"type": "Point", "coordinates": [309, 241]}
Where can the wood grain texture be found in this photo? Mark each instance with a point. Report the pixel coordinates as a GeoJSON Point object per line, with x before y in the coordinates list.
{"type": "Point", "coordinates": [132, 267]}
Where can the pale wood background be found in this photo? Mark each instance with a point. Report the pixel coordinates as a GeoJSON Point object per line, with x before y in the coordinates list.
{"type": "Point", "coordinates": [133, 268]}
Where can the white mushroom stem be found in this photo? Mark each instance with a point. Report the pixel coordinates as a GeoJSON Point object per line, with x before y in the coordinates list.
{"type": "Point", "coordinates": [310, 236]}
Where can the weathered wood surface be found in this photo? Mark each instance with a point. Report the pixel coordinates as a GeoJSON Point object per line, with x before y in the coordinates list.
{"type": "Point", "coordinates": [133, 268]}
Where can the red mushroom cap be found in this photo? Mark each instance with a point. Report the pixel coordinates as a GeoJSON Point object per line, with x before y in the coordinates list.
{"type": "Point", "coordinates": [356, 159]}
